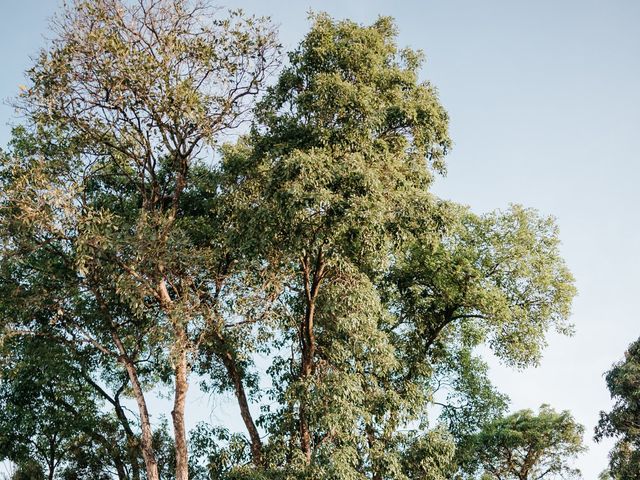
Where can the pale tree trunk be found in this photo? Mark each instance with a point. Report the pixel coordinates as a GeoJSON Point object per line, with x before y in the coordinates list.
{"type": "Point", "coordinates": [146, 440]}
{"type": "Point", "coordinates": [177, 414]}
{"type": "Point", "coordinates": [247, 418]}
{"type": "Point", "coordinates": [181, 375]}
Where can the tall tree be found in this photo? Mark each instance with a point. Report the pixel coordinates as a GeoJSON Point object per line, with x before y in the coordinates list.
{"type": "Point", "coordinates": [623, 421]}
{"type": "Point", "coordinates": [387, 290]}
{"type": "Point", "coordinates": [339, 153]}
{"type": "Point", "coordinates": [128, 96]}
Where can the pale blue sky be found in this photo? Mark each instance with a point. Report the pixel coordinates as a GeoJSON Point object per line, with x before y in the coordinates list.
{"type": "Point", "coordinates": [544, 99]}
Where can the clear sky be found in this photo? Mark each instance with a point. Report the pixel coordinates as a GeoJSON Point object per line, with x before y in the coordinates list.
{"type": "Point", "coordinates": [544, 99]}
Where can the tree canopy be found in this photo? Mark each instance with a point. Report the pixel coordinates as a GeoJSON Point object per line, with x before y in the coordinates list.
{"type": "Point", "coordinates": [305, 267]}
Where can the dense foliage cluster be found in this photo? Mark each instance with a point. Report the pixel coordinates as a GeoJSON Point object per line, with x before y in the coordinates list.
{"type": "Point", "coordinates": [623, 421]}
{"type": "Point", "coordinates": [524, 445]}
{"type": "Point", "coordinates": [305, 268]}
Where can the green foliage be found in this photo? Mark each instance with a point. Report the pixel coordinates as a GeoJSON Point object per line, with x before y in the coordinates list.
{"type": "Point", "coordinates": [622, 421]}
{"type": "Point", "coordinates": [524, 445]}
{"type": "Point", "coordinates": [337, 168]}
{"type": "Point", "coordinates": [314, 245]}
{"type": "Point", "coordinates": [50, 417]}
{"type": "Point", "coordinates": [428, 456]}
{"type": "Point", "coordinates": [497, 277]}
{"type": "Point", "coordinates": [94, 224]}
{"type": "Point", "coordinates": [217, 454]}
{"type": "Point", "coordinates": [29, 470]}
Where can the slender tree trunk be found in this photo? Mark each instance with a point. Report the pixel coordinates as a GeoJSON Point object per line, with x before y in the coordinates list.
{"type": "Point", "coordinates": [308, 352]}
{"type": "Point", "coordinates": [371, 439]}
{"type": "Point", "coordinates": [121, 471]}
{"type": "Point", "coordinates": [51, 461]}
{"type": "Point", "coordinates": [146, 441]}
{"type": "Point", "coordinates": [181, 375]}
{"type": "Point", "coordinates": [232, 369]}
{"type": "Point", "coordinates": [133, 445]}
{"type": "Point", "coordinates": [308, 343]}
{"type": "Point", "coordinates": [179, 430]}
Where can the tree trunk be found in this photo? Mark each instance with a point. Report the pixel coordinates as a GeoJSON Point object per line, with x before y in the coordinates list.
{"type": "Point", "coordinates": [371, 440]}
{"type": "Point", "coordinates": [120, 470]}
{"type": "Point", "coordinates": [132, 448]}
{"type": "Point", "coordinates": [179, 431]}
{"type": "Point", "coordinates": [181, 374]}
{"type": "Point", "coordinates": [232, 369]}
{"type": "Point", "coordinates": [51, 460]}
{"type": "Point", "coordinates": [308, 352]}
{"type": "Point", "coordinates": [146, 441]}
{"type": "Point", "coordinates": [308, 343]}
{"type": "Point", "coordinates": [133, 445]}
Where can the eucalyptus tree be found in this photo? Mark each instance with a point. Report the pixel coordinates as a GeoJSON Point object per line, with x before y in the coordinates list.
{"type": "Point", "coordinates": [386, 290]}
{"type": "Point", "coordinates": [125, 100]}
{"type": "Point", "coordinates": [623, 421]}
{"type": "Point", "coordinates": [338, 156]}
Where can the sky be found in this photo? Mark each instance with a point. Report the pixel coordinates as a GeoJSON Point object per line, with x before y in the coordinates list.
{"type": "Point", "coordinates": [545, 112]}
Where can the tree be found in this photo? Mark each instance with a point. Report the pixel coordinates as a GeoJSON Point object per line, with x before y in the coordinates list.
{"type": "Point", "coordinates": [120, 106]}
{"type": "Point", "coordinates": [337, 156]}
{"type": "Point", "coordinates": [495, 279]}
{"type": "Point", "coordinates": [623, 421]}
{"type": "Point", "coordinates": [386, 289]}
{"type": "Point", "coordinates": [526, 446]}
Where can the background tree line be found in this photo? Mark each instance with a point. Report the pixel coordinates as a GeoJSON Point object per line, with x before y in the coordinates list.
{"type": "Point", "coordinates": [143, 249]}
